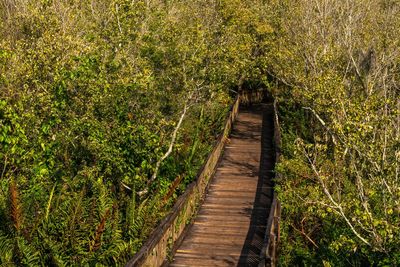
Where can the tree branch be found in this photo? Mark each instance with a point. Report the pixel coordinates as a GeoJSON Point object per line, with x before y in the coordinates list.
{"type": "Point", "coordinates": [337, 205]}
{"type": "Point", "coordinates": [171, 146]}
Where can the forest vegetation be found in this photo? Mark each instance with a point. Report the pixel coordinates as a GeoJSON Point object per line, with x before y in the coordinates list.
{"type": "Point", "coordinates": [104, 105]}
{"type": "Point", "coordinates": [339, 65]}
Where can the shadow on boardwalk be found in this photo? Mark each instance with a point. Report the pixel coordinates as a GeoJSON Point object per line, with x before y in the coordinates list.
{"type": "Point", "coordinates": [258, 216]}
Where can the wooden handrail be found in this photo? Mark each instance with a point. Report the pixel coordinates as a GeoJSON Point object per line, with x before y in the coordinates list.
{"type": "Point", "coordinates": [269, 252]}
{"type": "Point", "coordinates": [169, 233]}
{"type": "Point", "coordinates": [251, 96]}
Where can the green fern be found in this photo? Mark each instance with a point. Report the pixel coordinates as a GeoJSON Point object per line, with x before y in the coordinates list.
{"type": "Point", "coordinates": [6, 250]}
{"type": "Point", "coordinates": [49, 202]}
{"type": "Point", "coordinates": [25, 254]}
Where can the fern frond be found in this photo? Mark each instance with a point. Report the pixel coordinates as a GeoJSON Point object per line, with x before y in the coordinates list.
{"type": "Point", "coordinates": [15, 210]}
{"type": "Point", "coordinates": [27, 254]}
{"type": "Point", "coordinates": [49, 202]}
{"type": "Point", "coordinates": [100, 231]}
{"type": "Point", "coordinates": [6, 250]}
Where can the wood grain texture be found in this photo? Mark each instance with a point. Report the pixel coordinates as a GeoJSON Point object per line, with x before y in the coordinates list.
{"type": "Point", "coordinates": [229, 228]}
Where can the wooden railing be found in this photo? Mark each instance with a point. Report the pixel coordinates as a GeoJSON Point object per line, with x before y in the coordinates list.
{"type": "Point", "coordinates": [269, 252]}
{"type": "Point", "coordinates": [170, 232]}
{"type": "Point", "coordinates": [251, 96]}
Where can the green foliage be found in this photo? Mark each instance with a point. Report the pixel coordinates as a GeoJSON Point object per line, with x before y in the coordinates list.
{"type": "Point", "coordinates": [90, 93]}
{"type": "Point", "coordinates": [336, 66]}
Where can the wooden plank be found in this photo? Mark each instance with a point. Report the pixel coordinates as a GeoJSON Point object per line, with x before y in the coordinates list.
{"type": "Point", "coordinates": [195, 259]}
{"type": "Point", "coordinates": [229, 231]}
{"type": "Point", "coordinates": [216, 261]}
{"type": "Point", "coordinates": [208, 249]}
{"type": "Point", "coordinates": [233, 206]}
{"type": "Point", "coordinates": [231, 183]}
{"type": "Point", "coordinates": [198, 255]}
{"type": "Point", "coordinates": [245, 187]}
{"type": "Point", "coordinates": [235, 177]}
{"type": "Point", "coordinates": [231, 194]}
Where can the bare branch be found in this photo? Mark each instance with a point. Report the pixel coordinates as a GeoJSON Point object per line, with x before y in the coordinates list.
{"type": "Point", "coordinates": [171, 145]}
{"type": "Point", "coordinates": [337, 205]}
{"type": "Point", "coordinates": [304, 234]}
{"type": "Point", "coordinates": [119, 24]}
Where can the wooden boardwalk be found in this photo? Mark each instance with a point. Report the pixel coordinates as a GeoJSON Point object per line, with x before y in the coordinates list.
{"type": "Point", "coordinates": [230, 226]}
